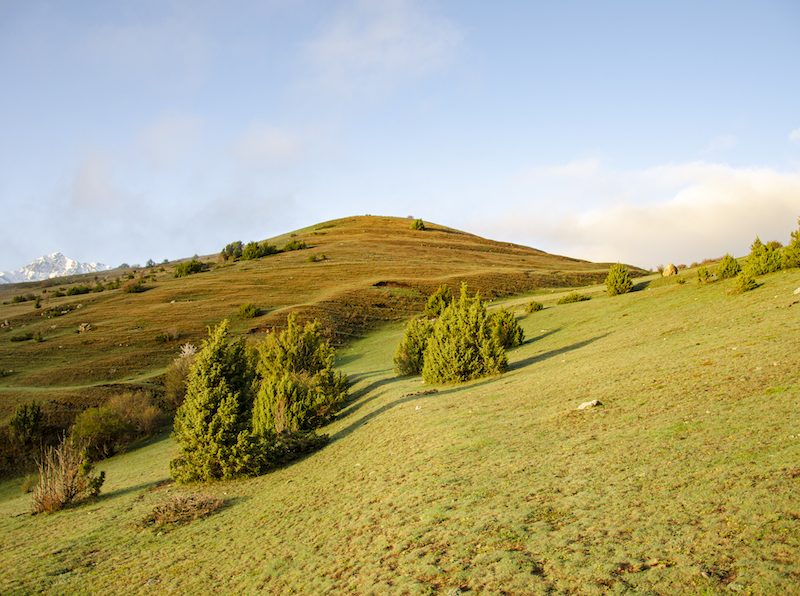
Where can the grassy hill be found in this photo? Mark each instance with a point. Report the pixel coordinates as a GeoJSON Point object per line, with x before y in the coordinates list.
{"type": "Point", "coordinates": [375, 270]}
{"type": "Point", "coordinates": [685, 480]}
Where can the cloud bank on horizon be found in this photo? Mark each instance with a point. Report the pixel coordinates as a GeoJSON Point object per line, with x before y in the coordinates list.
{"type": "Point", "coordinates": [172, 129]}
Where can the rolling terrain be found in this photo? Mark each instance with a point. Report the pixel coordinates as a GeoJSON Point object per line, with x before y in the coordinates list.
{"type": "Point", "coordinates": [685, 480]}
{"type": "Point", "coordinates": [375, 270]}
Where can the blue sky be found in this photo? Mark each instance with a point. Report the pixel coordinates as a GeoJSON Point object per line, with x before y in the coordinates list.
{"type": "Point", "coordinates": [630, 131]}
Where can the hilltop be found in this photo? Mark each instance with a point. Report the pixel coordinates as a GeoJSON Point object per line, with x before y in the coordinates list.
{"type": "Point", "coordinates": [357, 273]}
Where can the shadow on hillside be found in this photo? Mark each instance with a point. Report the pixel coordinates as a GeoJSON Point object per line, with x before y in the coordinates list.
{"type": "Point", "coordinates": [641, 285]}
{"type": "Point", "coordinates": [553, 353]}
{"type": "Point", "coordinates": [421, 395]}
{"type": "Point", "coordinates": [530, 340]}
{"type": "Point", "coordinates": [353, 405]}
{"type": "Point", "coordinates": [144, 486]}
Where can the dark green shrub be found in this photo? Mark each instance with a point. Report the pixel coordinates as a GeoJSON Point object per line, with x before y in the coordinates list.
{"type": "Point", "coordinates": [300, 390]}
{"type": "Point", "coordinates": [28, 335]}
{"type": "Point", "coordinates": [461, 346]}
{"type": "Point", "coordinates": [190, 268]}
{"type": "Point", "coordinates": [26, 424]}
{"type": "Point", "coordinates": [408, 359]}
{"type": "Point", "coordinates": [418, 224]}
{"type": "Point", "coordinates": [438, 301]}
{"type": "Point", "coordinates": [618, 280]}
{"type": "Point", "coordinates": [212, 426]}
{"type": "Point", "coordinates": [764, 258]}
{"type": "Point", "coordinates": [744, 283]}
{"type": "Point", "coordinates": [232, 251]}
{"type": "Point", "coordinates": [534, 306]}
{"type": "Point", "coordinates": [294, 245]}
{"type": "Point", "coordinates": [316, 258]}
{"type": "Point", "coordinates": [703, 276]}
{"type": "Point", "coordinates": [573, 297]}
{"type": "Point", "coordinates": [23, 298]}
{"type": "Point", "coordinates": [249, 311]}
{"type": "Point", "coordinates": [78, 290]}
{"type": "Point", "coordinates": [506, 330]}
{"type": "Point", "coordinates": [256, 250]}
{"type": "Point", "coordinates": [728, 267]}
{"type": "Point", "coordinates": [65, 476]}
{"type": "Point", "coordinates": [134, 287]}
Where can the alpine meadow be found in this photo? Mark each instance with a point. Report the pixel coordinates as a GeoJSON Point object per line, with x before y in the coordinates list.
{"type": "Point", "coordinates": [458, 298]}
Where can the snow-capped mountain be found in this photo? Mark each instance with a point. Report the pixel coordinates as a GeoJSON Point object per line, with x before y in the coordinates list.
{"type": "Point", "coordinates": [48, 266]}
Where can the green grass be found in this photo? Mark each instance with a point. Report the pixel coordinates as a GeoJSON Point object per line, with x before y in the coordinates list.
{"type": "Point", "coordinates": [686, 480]}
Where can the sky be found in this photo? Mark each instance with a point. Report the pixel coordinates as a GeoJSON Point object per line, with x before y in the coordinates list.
{"type": "Point", "coordinates": [640, 132]}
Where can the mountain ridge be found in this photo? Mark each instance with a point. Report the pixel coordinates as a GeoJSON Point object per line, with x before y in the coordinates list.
{"type": "Point", "coordinates": [49, 266]}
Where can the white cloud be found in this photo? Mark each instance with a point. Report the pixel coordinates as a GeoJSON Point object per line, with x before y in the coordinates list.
{"type": "Point", "coordinates": [669, 213]}
{"type": "Point", "coordinates": [375, 44]}
{"type": "Point", "coordinates": [795, 135]}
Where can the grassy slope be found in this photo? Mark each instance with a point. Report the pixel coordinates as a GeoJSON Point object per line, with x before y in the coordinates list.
{"type": "Point", "coordinates": [686, 481]}
{"type": "Point", "coordinates": [377, 270]}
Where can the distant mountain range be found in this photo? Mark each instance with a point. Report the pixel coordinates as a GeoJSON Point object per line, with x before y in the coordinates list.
{"type": "Point", "coordinates": [49, 266]}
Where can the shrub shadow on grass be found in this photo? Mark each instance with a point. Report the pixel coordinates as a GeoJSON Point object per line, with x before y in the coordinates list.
{"type": "Point", "coordinates": [530, 340]}
{"type": "Point", "coordinates": [641, 285]}
{"type": "Point", "coordinates": [353, 404]}
{"type": "Point", "coordinates": [552, 353]}
{"type": "Point", "coordinates": [412, 397]}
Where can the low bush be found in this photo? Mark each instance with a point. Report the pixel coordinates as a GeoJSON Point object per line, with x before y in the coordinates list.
{"type": "Point", "coordinates": [728, 267]}
{"type": "Point", "coordinates": [65, 477]}
{"type": "Point", "coordinates": [573, 297]}
{"type": "Point", "coordinates": [106, 429]}
{"type": "Point", "coordinates": [618, 280]}
{"type": "Point", "coordinates": [316, 258]}
{"type": "Point", "coordinates": [78, 290]}
{"type": "Point", "coordinates": [744, 283]}
{"type": "Point", "coordinates": [28, 335]}
{"type": "Point", "coordinates": [249, 311]}
{"type": "Point", "coordinates": [168, 336]}
{"type": "Point", "coordinates": [232, 251]}
{"type": "Point", "coordinates": [534, 306]}
{"type": "Point", "coordinates": [189, 268]}
{"type": "Point", "coordinates": [294, 245]}
{"type": "Point", "coordinates": [134, 287]}
{"type": "Point", "coordinates": [461, 346]}
{"type": "Point", "coordinates": [23, 298]}
{"type": "Point", "coordinates": [506, 330]}
{"type": "Point", "coordinates": [703, 275]}
{"type": "Point", "coordinates": [257, 250]}
{"type": "Point", "coordinates": [408, 358]}
{"type": "Point", "coordinates": [764, 258]}
{"type": "Point", "coordinates": [181, 509]}
{"type": "Point", "coordinates": [418, 224]}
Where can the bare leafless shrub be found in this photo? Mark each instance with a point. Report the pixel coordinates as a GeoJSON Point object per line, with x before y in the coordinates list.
{"type": "Point", "coordinates": [65, 476]}
{"type": "Point", "coordinates": [182, 508]}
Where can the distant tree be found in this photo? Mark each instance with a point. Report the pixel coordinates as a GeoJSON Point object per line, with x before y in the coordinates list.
{"type": "Point", "coordinates": [618, 280]}
{"type": "Point", "coordinates": [150, 263]}
{"type": "Point", "coordinates": [418, 224]}
{"type": "Point", "coordinates": [791, 252]}
{"type": "Point", "coordinates": [461, 346]}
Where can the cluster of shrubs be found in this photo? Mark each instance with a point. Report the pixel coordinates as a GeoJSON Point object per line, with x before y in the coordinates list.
{"type": "Point", "coordinates": [457, 340]}
{"type": "Point", "coordinates": [190, 268]}
{"type": "Point", "coordinates": [249, 410]}
{"type": "Point", "coordinates": [238, 251]}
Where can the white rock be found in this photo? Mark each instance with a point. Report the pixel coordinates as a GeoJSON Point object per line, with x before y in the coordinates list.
{"type": "Point", "coordinates": [590, 404]}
